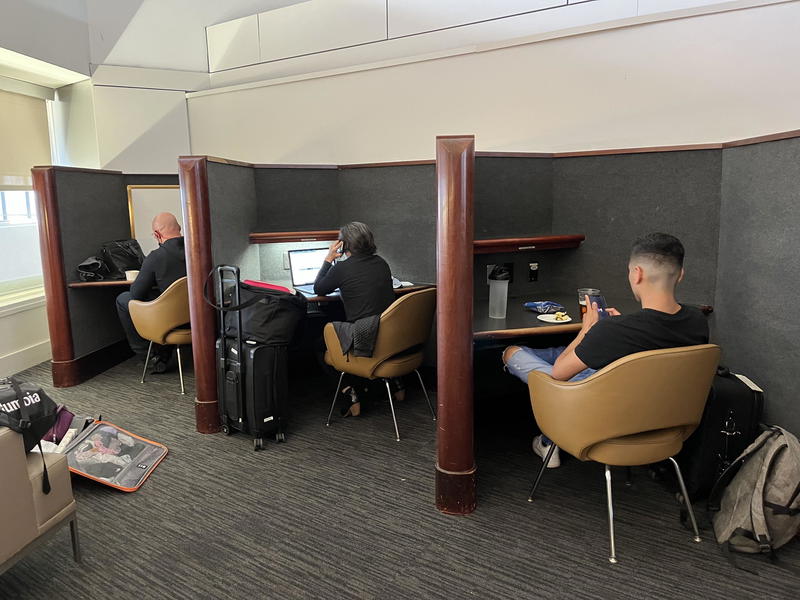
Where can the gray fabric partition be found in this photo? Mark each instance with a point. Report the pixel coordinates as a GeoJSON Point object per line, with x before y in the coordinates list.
{"type": "Point", "coordinates": [513, 197]}
{"type": "Point", "coordinates": [758, 279]}
{"type": "Point", "coordinates": [233, 207]}
{"type": "Point", "coordinates": [93, 209]}
{"type": "Point", "coordinates": [296, 199]}
{"type": "Point", "coordinates": [613, 199]}
{"type": "Point", "coordinates": [399, 205]}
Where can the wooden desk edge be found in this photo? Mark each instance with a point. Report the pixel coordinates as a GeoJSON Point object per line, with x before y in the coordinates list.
{"type": "Point", "coordinates": [91, 284]}
{"type": "Point", "coordinates": [522, 331]}
{"type": "Point", "coordinates": [398, 291]}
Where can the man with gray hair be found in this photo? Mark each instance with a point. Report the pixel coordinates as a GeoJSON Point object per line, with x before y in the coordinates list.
{"type": "Point", "coordinates": [162, 267]}
{"type": "Point", "coordinates": [655, 268]}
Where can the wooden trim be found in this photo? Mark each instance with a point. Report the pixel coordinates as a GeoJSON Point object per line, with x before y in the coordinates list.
{"type": "Point", "coordinates": [72, 372]}
{"type": "Point", "coordinates": [55, 289]}
{"type": "Point", "coordinates": [645, 150]}
{"type": "Point", "coordinates": [97, 284]}
{"type": "Point", "coordinates": [278, 166]}
{"type": "Point", "coordinates": [193, 174]}
{"type": "Point", "coordinates": [78, 169]}
{"type": "Point", "coordinates": [455, 465]}
{"type": "Point", "coordinates": [771, 137]}
{"type": "Point", "coordinates": [396, 163]}
{"type": "Point", "coordinates": [214, 159]}
{"type": "Point", "coordinates": [513, 155]}
{"type": "Point", "coordinates": [542, 242]}
{"type": "Point", "coordinates": [327, 235]}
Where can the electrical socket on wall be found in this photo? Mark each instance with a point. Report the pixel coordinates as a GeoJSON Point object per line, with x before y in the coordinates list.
{"type": "Point", "coordinates": [533, 271]}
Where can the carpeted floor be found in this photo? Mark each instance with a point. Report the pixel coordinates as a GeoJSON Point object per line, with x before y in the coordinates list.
{"type": "Point", "coordinates": [347, 512]}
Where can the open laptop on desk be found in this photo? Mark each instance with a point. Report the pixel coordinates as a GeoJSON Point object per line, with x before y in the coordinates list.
{"type": "Point", "coordinates": [304, 265]}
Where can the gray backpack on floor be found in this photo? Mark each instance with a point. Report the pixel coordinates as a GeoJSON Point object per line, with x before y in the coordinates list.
{"type": "Point", "coordinates": [760, 509]}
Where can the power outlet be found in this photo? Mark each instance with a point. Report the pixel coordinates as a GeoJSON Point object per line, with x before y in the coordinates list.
{"type": "Point", "coordinates": [533, 271]}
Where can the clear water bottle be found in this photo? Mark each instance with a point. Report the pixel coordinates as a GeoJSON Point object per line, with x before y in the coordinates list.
{"type": "Point", "coordinates": [498, 292]}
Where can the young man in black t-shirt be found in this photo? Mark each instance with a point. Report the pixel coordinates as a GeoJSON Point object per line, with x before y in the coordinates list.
{"type": "Point", "coordinates": [654, 270]}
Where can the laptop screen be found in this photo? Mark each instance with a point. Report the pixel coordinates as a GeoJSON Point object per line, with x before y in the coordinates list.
{"type": "Point", "coordinates": [304, 264]}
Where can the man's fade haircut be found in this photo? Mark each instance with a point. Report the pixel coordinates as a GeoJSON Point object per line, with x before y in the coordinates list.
{"type": "Point", "coordinates": [357, 238]}
{"type": "Point", "coordinates": [662, 249]}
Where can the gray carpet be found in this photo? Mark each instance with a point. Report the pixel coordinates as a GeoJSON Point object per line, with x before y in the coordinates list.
{"type": "Point", "coordinates": [347, 512]}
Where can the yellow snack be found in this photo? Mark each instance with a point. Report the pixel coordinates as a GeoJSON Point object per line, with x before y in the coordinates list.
{"type": "Point", "coordinates": [561, 316]}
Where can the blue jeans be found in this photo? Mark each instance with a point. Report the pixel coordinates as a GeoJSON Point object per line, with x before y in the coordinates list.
{"type": "Point", "coordinates": [527, 359]}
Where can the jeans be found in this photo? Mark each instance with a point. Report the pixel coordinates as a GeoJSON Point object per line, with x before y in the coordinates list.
{"type": "Point", "coordinates": [527, 359]}
{"type": "Point", "coordinates": [137, 343]}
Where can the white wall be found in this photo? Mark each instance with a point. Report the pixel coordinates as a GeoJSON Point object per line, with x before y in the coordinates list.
{"type": "Point", "coordinates": [141, 130]}
{"type": "Point", "coordinates": [161, 34]}
{"type": "Point", "coordinates": [703, 79]}
{"type": "Point", "coordinates": [24, 338]}
{"type": "Point", "coordinates": [54, 31]}
{"type": "Point", "coordinates": [72, 123]}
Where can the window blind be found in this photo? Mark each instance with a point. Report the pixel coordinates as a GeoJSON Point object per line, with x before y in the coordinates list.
{"type": "Point", "coordinates": [24, 139]}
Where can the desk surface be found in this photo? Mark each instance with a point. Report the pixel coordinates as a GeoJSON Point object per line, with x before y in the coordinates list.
{"type": "Point", "coordinates": [520, 322]}
{"type": "Point", "coordinates": [398, 291]}
{"type": "Point", "coordinates": [94, 284]}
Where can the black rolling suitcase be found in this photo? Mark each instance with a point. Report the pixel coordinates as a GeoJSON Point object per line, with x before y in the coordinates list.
{"type": "Point", "coordinates": [252, 377]}
{"type": "Point", "coordinates": [731, 421]}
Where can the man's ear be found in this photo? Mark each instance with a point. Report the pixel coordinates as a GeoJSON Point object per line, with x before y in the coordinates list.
{"type": "Point", "coordinates": [638, 274]}
{"type": "Point", "coordinates": [680, 277]}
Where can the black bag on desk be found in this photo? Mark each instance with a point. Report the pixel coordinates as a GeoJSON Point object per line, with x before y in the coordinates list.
{"type": "Point", "coordinates": [730, 423]}
{"type": "Point", "coordinates": [121, 256]}
{"type": "Point", "coordinates": [93, 269]}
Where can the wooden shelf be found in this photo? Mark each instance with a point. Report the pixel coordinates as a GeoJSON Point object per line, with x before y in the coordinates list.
{"type": "Point", "coordinates": [543, 242]}
{"type": "Point", "coordinates": [94, 284]}
{"type": "Point", "coordinates": [327, 235]}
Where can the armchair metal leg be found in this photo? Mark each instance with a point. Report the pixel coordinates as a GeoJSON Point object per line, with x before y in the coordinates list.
{"type": "Point", "coordinates": [686, 500]}
{"type": "Point", "coordinates": [545, 462]}
{"type": "Point", "coordinates": [335, 395]}
{"type": "Point", "coordinates": [147, 361]}
{"type": "Point", "coordinates": [391, 405]}
{"type": "Point", "coordinates": [424, 391]}
{"type": "Point", "coordinates": [613, 557]}
{"type": "Point", "coordinates": [180, 369]}
{"type": "Point", "coordinates": [76, 544]}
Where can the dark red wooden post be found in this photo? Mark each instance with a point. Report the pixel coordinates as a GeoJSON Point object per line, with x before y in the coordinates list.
{"type": "Point", "coordinates": [455, 465]}
{"type": "Point", "coordinates": [193, 176]}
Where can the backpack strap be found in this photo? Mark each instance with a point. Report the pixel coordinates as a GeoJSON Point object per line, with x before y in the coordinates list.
{"type": "Point", "coordinates": [760, 528]}
{"type": "Point", "coordinates": [712, 504]}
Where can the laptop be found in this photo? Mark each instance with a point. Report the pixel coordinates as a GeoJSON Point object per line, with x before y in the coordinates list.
{"type": "Point", "coordinates": [304, 265]}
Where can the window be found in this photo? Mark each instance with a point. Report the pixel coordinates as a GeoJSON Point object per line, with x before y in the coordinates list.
{"type": "Point", "coordinates": [17, 207]}
{"type": "Point", "coordinates": [20, 260]}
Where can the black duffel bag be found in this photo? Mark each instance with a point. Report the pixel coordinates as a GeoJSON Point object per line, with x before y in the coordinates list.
{"type": "Point", "coordinates": [268, 316]}
{"type": "Point", "coordinates": [121, 256]}
{"type": "Point", "coordinates": [93, 269]}
{"type": "Point", "coordinates": [26, 409]}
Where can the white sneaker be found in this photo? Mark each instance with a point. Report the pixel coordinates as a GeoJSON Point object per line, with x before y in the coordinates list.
{"type": "Point", "coordinates": [541, 451]}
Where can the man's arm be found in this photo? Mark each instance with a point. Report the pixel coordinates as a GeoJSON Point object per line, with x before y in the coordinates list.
{"type": "Point", "coordinates": [145, 281]}
{"type": "Point", "coordinates": [568, 364]}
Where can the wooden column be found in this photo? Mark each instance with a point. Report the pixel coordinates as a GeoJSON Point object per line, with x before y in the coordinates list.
{"type": "Point", "coordinates": [455, 465]}
{"type": "Point", "coordinates": [193, 176]}
{"type": "Point", "coordinates": [55, 280]}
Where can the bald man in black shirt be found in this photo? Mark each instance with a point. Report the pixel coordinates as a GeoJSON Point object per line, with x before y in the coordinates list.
{"type": "Point", "coordinates": [654, 270]}
{"type": "Point", "coordinates": [162, 267]}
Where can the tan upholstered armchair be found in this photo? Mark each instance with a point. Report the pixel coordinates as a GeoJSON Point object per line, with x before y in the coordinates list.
{"type": "Point", "coordinates": [404, 328]}
{"type": "Point", "coordinates": [636, 411]}
{"type": "Point", "coordinates": [29, 515]}
{"type": "Point", "coordinates": [161, 320]}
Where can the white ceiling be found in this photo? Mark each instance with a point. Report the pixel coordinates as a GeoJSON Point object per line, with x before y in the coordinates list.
{"type": "Point", "coordinates": [162, 34]}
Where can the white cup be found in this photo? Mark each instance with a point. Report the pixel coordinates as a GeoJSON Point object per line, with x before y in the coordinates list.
{"type": "Point", "coordinates": [131, 275]}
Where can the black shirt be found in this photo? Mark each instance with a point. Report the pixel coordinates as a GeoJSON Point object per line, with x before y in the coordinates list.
{"type": "Point", "coordinates": [162, 267]}
{"type": "Point", "coordinates": [365, 282]}
{"type": "Point", "coordinates": [647, 329]}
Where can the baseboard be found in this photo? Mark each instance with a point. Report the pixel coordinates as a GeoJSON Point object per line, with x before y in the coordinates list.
{"type": "Point", "coordinates": [25, 358]}
{"type": "Point", "coordinates": [67, 373]}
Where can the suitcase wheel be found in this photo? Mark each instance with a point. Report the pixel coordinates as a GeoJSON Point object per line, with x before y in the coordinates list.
{"type": "Point", "coordinates": [226, 429]}
{"type": "Point", "coordinates": [280, 437]}
{"type": "Point", "coordinates": [258, 444]}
